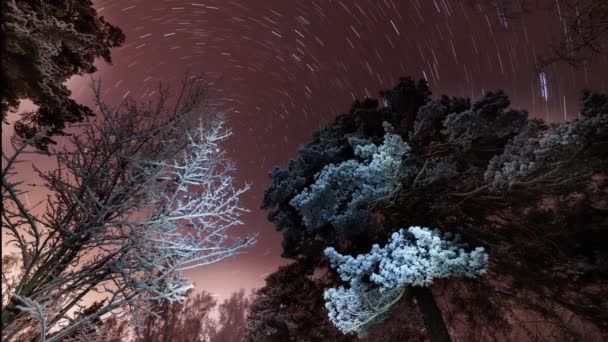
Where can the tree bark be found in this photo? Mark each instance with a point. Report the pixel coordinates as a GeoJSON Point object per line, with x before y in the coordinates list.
{"type": "Point", "coordinates": [431, 315]}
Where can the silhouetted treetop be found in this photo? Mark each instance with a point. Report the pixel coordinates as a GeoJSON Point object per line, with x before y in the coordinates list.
{"type": "Point", "coordinates": [44, 44]}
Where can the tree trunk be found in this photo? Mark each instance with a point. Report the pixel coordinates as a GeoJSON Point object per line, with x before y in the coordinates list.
{"type": "Point", "coordinates": [431, 315]}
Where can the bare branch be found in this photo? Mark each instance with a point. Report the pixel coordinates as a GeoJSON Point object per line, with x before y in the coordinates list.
{"type": "Point", "coordinates": [141, 193]}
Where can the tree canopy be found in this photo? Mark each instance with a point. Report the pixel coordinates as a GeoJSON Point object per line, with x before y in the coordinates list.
{"type": "Point", "coordinates": [43, 44]}
{"type": "Point", "coordinates": [139, 195]}
{"type": "Point", "coordinates": [532, 194]}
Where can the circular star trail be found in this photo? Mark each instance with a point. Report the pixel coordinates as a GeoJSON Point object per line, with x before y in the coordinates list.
{"type": "Point", "coordinates": [287, 68]}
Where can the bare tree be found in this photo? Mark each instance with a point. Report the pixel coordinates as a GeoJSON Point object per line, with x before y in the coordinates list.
{"type": "Point", "coordinates": [189, 321]}
{"type": "Point", "coordinates": [232, 321]}
{"type": "Point", "coordinates": [141, 193]}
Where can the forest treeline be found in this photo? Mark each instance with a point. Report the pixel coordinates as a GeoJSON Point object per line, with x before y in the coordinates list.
{"type": "Point", "coordinates": [198, 318]}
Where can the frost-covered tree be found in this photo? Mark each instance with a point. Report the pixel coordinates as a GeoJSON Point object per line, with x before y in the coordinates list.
{"type": "Point", "coordinates": [544, 154]}
{"type": "Point", "coordinates": [186, 321]}
{"type": "Point", "coordinates": [286, 183]}
{"type": "Point", "coordinates": [231, 323]}
{"type": "Point", "coordinates": [140, 193]}
{"type": "Point", "coordinates": [378, 279]}
{"type": "Point", "coordinates": [43, 44]}
{"type": "Point", "coordinates": [334, 144]}
{"type": "Point", "coordinates": [488, 119]}
{"type": "Point", "coordinates": [198, 318]}
{"type": "Point", "coordinates": [343, 194]}
{"type": "Point", "coordinates": [532, 193]}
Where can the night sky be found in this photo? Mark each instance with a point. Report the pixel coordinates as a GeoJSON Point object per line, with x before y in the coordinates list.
{"type": "Point", "coordinates": [288, 67]}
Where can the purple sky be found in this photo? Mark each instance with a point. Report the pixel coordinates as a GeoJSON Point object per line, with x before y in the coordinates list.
{"type": "Point", "coordinates": [287, 67]}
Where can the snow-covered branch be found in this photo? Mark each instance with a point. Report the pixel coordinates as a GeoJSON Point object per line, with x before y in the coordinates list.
{"type": "Point", "coordinates": [141, 193]}
{"type": "Point", "coordinates": [378, 279]}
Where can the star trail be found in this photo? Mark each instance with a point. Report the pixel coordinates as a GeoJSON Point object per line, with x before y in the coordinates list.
{"type": "Point", "coordinates": [286, 68]}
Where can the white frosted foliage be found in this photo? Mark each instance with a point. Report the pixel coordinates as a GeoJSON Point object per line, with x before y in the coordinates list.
{"type": "Point", "coordinates": [378, 279]}
{"type": "Point", "coordinates": [140, 194]}
{"type": "Point", "coordinates": [343, 194]}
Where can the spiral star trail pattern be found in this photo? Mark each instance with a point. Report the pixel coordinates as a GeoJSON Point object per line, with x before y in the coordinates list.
{"type": "Point", "coordinates": [286, 68]}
